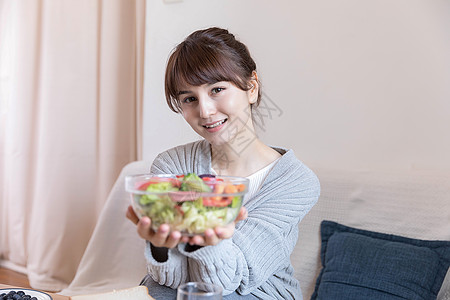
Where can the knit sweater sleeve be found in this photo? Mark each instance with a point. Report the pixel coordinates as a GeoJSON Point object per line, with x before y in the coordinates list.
{"type": "Point", "coordinates": [260, 249]}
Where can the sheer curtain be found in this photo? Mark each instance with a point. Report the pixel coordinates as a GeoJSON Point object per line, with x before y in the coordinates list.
{"type": "Point", "coordinates": [71, 96]}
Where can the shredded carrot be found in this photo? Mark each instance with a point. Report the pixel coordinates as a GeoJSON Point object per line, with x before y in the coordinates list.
{"type": "Point", "coordinates": [240, 187]}
{"type": "Point", "coordinates": [230, 189]}
{"type": "Point", "coordinates": [219, 188]}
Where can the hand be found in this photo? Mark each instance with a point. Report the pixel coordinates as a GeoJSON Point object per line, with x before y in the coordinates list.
{"type": "Point", "coordinates": [214, 236]}
{"type": "Point", "coordinates": [161, 238]}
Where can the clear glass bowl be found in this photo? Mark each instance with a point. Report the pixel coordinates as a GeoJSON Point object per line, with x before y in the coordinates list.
{"type": "Point", "coordinates": [188, 203]}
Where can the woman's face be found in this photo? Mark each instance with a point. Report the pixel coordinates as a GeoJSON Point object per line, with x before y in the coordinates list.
{"type": "Point", "coordinates": [219, 112]}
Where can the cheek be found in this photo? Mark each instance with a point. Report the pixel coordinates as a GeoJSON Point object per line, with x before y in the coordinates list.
{"type": "Point", "coordinates": [188, 116]}
{"type": "Point", "coordinates": [186, 112]}
{"type": "Point", "coordinates": [237, 105]}
{"type": "Point", "coordinates": [237, 101]}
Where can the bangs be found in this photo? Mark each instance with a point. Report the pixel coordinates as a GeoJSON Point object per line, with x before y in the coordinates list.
{"type": "Point", "coordinates": [195, 65]}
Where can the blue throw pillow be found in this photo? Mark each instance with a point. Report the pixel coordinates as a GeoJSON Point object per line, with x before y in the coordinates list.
{"type": "Point", "coordinates": [360, 264]}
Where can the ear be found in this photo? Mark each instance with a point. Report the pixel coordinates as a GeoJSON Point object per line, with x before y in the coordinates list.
{"type": "Point", "coordinates": [254, 88]}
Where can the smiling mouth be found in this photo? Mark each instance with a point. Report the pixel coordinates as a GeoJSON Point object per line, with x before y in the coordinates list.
{"type": "Point", "coordinates": [215, 124]}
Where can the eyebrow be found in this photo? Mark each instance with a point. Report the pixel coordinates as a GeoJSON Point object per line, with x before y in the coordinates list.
{"type": "Point", "coordinates": [187, 92]}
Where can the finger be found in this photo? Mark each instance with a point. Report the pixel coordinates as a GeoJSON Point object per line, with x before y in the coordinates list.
{"type": "Point", "coordinates": [159, 239]}
{"type": "Point", "coordinates": [243, 214]}
{"type": "Point", "coordinates": [131, 215]}
{"type": "Point", "coordinates": [173, 239]}
{"type": "Point", "coordinates": [144, 228]}
{"type": "Point", "coordinates": [225, 232]}
{"type": "Point", "coordinates": [197, 240]}
{"type": "Point", "coordinates": [185, 239]}
{"type": "Point", "coordinates": [211, 237]}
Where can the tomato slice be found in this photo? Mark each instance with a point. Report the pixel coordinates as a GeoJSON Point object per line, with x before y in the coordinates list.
{"type": "Point", "coordinates": [208, 179]}
{"type": "Point", "coordinates": [176, 183]}
{"type": "Point", "coordinates": [217, 201]}
{"type": "Point", "coordinates": [143, 186]}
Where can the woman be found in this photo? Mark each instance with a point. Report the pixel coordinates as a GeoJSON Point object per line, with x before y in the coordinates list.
{"type": "Point", "coordinates": [211, 80]}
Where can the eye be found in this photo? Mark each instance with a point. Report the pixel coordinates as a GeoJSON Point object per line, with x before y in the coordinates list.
{"type": "Point", "coordinates": [188, 100]}
{"type": "Point", "coordinates": [217, 90]}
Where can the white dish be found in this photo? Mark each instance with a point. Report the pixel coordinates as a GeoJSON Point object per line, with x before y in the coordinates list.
{"type": "Point", "coordinates": [33, 293]}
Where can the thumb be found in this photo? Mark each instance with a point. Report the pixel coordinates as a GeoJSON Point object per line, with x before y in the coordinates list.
{"type": "Point", "coordinates": [243, 214]}
{"type": "Point", "coordinates": [131, 215]}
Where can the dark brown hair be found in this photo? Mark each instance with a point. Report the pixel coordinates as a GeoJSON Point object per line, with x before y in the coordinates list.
{"type": "Point", "coordinates": [208, 56]}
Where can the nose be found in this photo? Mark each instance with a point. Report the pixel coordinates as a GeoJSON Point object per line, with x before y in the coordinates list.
{"type": "Point", "coordinates": [207, 107]}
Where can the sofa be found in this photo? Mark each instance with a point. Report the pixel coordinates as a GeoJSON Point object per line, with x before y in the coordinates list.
{"type": "Point", "coordinates": [407, 210]}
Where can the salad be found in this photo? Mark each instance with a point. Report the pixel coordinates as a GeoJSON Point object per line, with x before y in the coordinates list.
{"type": "Point", "coordinates": [188, 203]}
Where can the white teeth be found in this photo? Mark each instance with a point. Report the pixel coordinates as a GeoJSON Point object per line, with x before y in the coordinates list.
{"type": "Point", "coordinates": [215, 124]}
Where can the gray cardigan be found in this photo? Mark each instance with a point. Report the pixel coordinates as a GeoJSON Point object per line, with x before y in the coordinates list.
{"type": "Point", "coordinates": [256, 259]}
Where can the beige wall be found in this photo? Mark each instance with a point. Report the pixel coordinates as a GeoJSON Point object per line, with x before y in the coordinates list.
{"type": "Point", "coordinates": [356, 84]}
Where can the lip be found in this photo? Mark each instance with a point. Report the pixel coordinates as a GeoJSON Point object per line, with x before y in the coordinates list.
{"type": "Point", "coordinates": [217, 128]}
